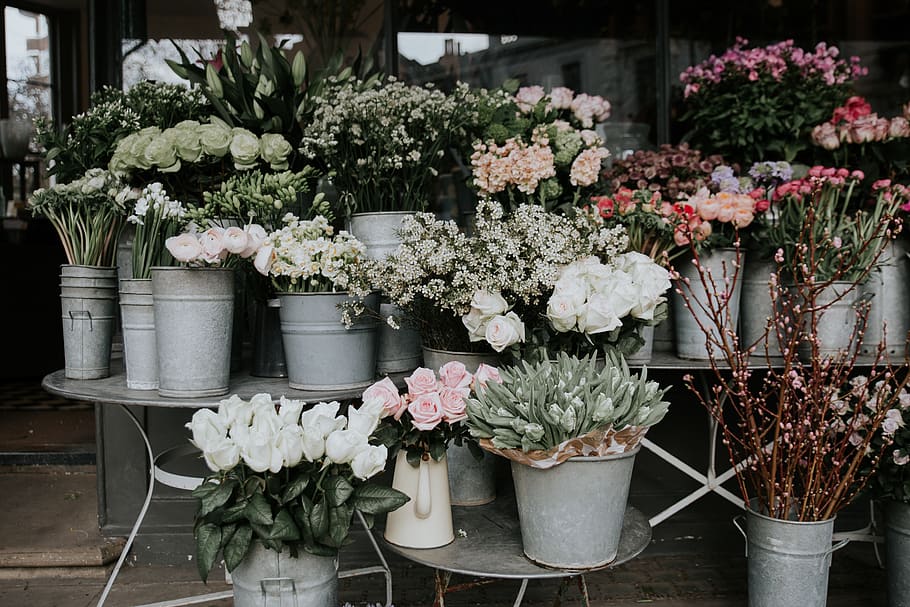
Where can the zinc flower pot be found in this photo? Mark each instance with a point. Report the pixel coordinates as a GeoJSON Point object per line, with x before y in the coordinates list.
{"type": "Point", "coordinates": [88, 300]}
{"type": "Point", "coordinates": [754, 316]}
{"type": "Point", "coordinates": [690, 339]}
{"type": "Point", "coordinates": [426, 520]}
{"type": "Point", "coordinates": [897, 553]}
{"type": "Point", "coordinates": [889, 289]}
{"type": "Point", "coordinates": [571, 514]}
{"type": "Point", "coordinates": [472, 482]}
{"type": "Point", "coordinates": [265, 577]}
{"type": "Point", "coordinates": [787, 561]}
{"type": "Point", "coordinates": [378, 231]}
{"type": "Point", "coordinates": [140, 351]}
{"type": "Point", "coordinates": [194, 313]}
{"type": "Point", "coordinates": [835, 325]}
{"type": "Point", "coordinates": [320, 352]}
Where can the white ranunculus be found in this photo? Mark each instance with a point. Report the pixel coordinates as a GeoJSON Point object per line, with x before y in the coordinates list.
{"type": "Point", "coordinates": [313, 444]}
{"type": "Point", "coordinates": [235, 240]}
{"type": "Point", "coordinates": [264, 258]}
{"type": "Point", "coordinates": [289, 442]}
{"type": "Point", "coordinates": [489, 303]}
{"type": "Point", "coordinates": [366, 418]}
{"type": "Point", "coordinates": [184, 247]}
{"type": "Point", "coordinates": [235, 411]}
{"type": "Point", "coordinates": [208, 429]}
{"type": "Point", "coordinates": [244, 148]}
{"type": "Point", "coordinates": [342, 446]}
{"type": "Point", "coordinates": [289, 411]}
{"type": "Point", "coordinates": [223, 455]}
{"type": "Point", "coordinates": [503, 331]}
{"type": "Point", "coordinates": [599, 315]}
{"type": "Point", "coordinates": [369, 462]}
{"type": "Point", "coordinates": [562, 311]}
{"type": "Point", "coordinates": [256, 235]}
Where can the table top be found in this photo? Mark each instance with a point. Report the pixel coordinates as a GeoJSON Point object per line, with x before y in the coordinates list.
{"type": "Point", "coordinates": [113, 390]}
{"type": "Point", "coordinates": [491, 545]}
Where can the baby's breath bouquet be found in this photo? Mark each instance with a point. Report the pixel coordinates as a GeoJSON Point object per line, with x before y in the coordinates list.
{"type": "Point", "coordinates": [537, 147]}
{"type": "Point", "coordinates": [156, 218]}
{"type": "Point", "coordinates": [384, 142]}
{"type": "Point", "coordinates": [88, 214]}
{"type": "Point", "coordinates": [544, 413]}
{"type": "Point", "coordinates": [307, 256]}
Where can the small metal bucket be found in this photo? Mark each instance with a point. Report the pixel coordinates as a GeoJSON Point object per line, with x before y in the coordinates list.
{"type": "Point", "coordinates": [571, 514]}
{"type": "Point", "coordinates": [835, 326]}
{"type": "Point", "coordinates": [897, 553]}
{"type": "Point", "coordinates": [140, 352]}
{"type": "Point", "coordinates": [194, 312]}
{"type": "Point", "coordinates": [321, 353]}
{"type": "Point", "coordinates": [691, 341]}
{"type": "Point", "coordinates": [268, 349]}
{"type": "Point", "coordinates": [753, 317]}
{"type": "Point", "coordinates": [378, 231]}
{"type": "Point", "coordinates": [266, 578]}
{"type": "Point", "coordinates": [787, 561]}
{"type": "Point", "coordinates": [88, 301]}
{"type": "Point", "coordinates": [889, 288]}
{"type": "Point", "coordinates": [399, 349]}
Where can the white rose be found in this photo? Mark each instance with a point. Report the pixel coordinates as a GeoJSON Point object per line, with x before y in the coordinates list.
{"type": "Point", "coordinates": [264, 258]}
{"type": "Point", "coordinates": [503, 331]}
{"type": "Point", "coordinates": [223, 455]}
{"type": "Point", "coordinates": [598, 315]}
{"type": "Point", "coordinates": [313, 443]}
{"type": "Point", "coordinates": [289, 411]}
{"type": "Point", "coordinates": [264, 414]}
{"type": "Point", "coordinates": [208, 429]}
{"type": "Point", "coordinates": [289, 443]}
{"type": "Point", "coordinates": [215, 138]}
{"type": "Point", "coordinates": [235, 411]}
{"type": "Point", "coordinates": [621, 292]}
{"type": "Point", "coordinates": [369, 462]}
{"type": "Point", "coordinates": [489, 303]}
{"type": "Point", "coordinates": [573, 285]}
{"type": "Point", "coordinates": [342, 446]}
{"type": "Point", "coordinates": [476, 323]}
{"type": "Point", "coordinates": [185, 135]}
{"type": "Point", "coordinates": [365, 419]}
{"type": "Point", "coordinates": [244, 148]}
{"type": "Point", "coordinates": [562, 312]}
{"type": "Point", "coordinates": [893, 421]}
{"type": "Point", "coordinates": [322, 418]}
{"type": "Point", "coordinates": [235, 240]}
{"type": "Point", "coordinates": [900, 458]}
{"type": "Point", "coordinates": [260, 452]}
{"type": "Point", "coordinates": [275, 149]}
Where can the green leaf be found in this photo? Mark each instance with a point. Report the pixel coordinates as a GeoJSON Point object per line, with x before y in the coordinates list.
{"type": "Point", "coordinates": [238, 546]}
{"type": "Point", "coordinates": [319, 521]}
{"type": "Point", "coordinates": [258, 510]}
{"type": "Point", "coordinates": [204, 489]}
{"type": "Point", "coordinates": [337, 490]}
{"type": "Point", "coordinates": [293, 490]}
{"type": "Point", "coordinates": [234, 513]}
{"type": "Point", "coordinates": [217, 498]}
{"type": "Point", "coordinates": [376, 499]}
{"type": "Point", "coordinates": [302, 516]}
{"type": "Point", "coordinates": [284, 528]}
{"type": "Point", "coordinates": [339, 525]}
{"type": "Point", "coordinates": [208, 541]}
{"type": "Point", "coordinates": [437, 449]}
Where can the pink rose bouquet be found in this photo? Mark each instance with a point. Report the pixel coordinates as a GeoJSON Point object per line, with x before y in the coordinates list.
{"type": "Point", "coordinates": [428, 415]}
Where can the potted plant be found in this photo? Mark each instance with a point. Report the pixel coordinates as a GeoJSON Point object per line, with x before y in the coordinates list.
{"type": "Point", "coordinates": [417, 427]}
{"type": "Point", "coordinates": [761, 103]}
{"type": "Point", "coordinates": [285, 485]}
{"type": "Point", "coordinates": [323, 281]}
{"type": "Point", "coordinates": [799, 459]}
{"type": "Point", "coordinates": [673, 171]}
{"type": "Point", "coordinates": [88, 215]}
{"type": "Point", "coordinates": [571, 432]}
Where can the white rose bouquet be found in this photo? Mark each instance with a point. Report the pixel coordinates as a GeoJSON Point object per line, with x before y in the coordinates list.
{"type": "Point", "coordinates": [285, 476]}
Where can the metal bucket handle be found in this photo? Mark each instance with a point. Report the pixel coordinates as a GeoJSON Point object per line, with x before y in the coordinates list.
{"type": "Point", "coordinates": [738, 523]}
{"type": "Point", "coordinates": [81, 314]}
{"type": "Point", "coordinates": [272, 586]}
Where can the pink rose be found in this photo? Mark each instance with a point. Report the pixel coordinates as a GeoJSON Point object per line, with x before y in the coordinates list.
{"type": "Point", "coordinates": [386, 392]}
{"type": "Point", "coordinates": [454, 374]}
{"type": "Point", "coordinates": [426, 411]}
{"type": "Point", "coordinates": [485, 374]}
{"type": "Point", "coordinates": [452, 399]}
{"type": "Point", "coordinates": [421, 381]}
{"type": "Point", "coordinates": [184, 248]}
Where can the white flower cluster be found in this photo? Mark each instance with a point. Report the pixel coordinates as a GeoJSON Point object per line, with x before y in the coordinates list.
{"type": "Point", "coordinates": [265, 437]}
{"type": "Point", "coordinates": [191, 141]}
{"type": "Point", "coordinates": [97, 185]}
{"type": "Point", "coordinates": [308, 256]}
{"type": "Point", "coordinates": [856, 407]}
{"type": "Point", "coordinates": [154, 198]}
{"type": "Point", "coordinates": [490, 320]}
{"type": "Point", "coordinates": [213, 245]}
{"type": "Point", "coordinates": [592, 297]}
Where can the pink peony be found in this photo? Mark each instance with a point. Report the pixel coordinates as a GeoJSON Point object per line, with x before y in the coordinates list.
{"type": "Point", "coordinates": [455, 375]}
{"type": "Point", "coordinates": [421, 381]}
{"type": "Point", "coordinates": [426, 411]}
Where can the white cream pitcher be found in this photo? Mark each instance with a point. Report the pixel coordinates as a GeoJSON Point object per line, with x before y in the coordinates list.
{"type": "Point", "coordinates": [426, 520]}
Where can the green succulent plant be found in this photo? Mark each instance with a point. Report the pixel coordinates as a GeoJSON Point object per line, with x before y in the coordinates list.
{"type": "Point", "coordinates": [539, 406]}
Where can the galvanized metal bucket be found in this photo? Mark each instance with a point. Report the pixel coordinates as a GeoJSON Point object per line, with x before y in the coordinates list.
{"type": "Point", "coordinates": [753, 316]}
{"type": "Point", "coordinates": [787, 561]}
{"type": "Point", "coordinates": [88, 301]}
{"type": "Point", "coordinates": [834, 328]}
{"type": "Point", "coordinates": [321, 353]}
{"type": "Point", "coordinates": [266, 578]}
{"type": "Point", "coordinates": [399, 349]}
{"type": "Point", "coordinates": [194, 314]}
{"type": "Point", "coordinates": [472, 482]}
{"type": "Point", "coordinates": [378, 231]}
{"type": "Point", "coordinates": [140, 352]}
{"type": "Point", "coordinates": [889, 289]}
{"type": "Point", "coordinates": [571, 514]}
{"type": "Point", "coordinates": [268, 348]}
{"type": "Point", "coordinates": [691, 341]}
{"type": "Point", "coordinates": [897, 553]}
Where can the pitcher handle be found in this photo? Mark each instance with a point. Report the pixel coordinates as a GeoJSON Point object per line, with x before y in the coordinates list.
{"type": "Point", "coordinates": [424, 503]}
{"type": "Point", "coordinates": [738, 523]}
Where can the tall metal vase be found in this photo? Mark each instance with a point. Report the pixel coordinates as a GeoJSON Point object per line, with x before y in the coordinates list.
{"type": "Point", "coordinates": [265, 578]}
{"type": "Point", "coordinates": [88, 300]}
{"type": "Point", "coordinates": [889, 288]}
{"type": "Point", "coordinates": [140, 350]}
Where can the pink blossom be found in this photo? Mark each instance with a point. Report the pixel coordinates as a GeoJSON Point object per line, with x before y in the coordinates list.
{"type": "Point", "coordinates": [385, 391]}
{"type": "Point", "coordinates": [455, 375]}
{"type": "Point", "coordinates": [453, 406]}
{"type": "Point", "coordinates": [528, 96]}
{"type": "Point", "coordinates": [426, 411]}
{"type": "Point", "coordinates": [485, 374]}
{"type": "Point", "coordinates": [561, 98]}
{"type": "Point", "coordinates": [421, 381]}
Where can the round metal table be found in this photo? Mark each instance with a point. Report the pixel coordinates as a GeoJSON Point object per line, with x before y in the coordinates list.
{"type": "Point", "coordinates": [487, 544]}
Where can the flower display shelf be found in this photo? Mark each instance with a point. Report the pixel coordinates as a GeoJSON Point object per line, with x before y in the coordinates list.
{"type": "Point", "coordinates": [488, 545]}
